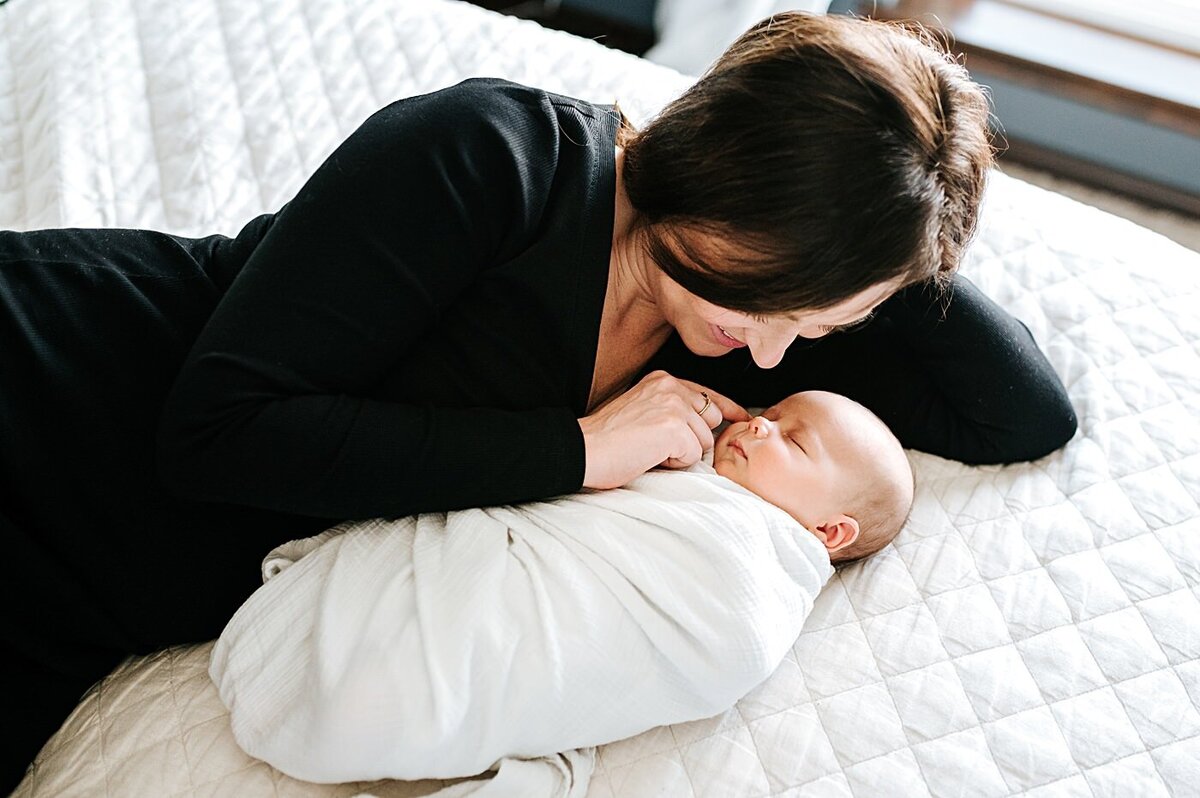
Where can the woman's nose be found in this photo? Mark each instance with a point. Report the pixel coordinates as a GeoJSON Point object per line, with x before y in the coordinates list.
{"type": "Point", "coordinates": [767, 352]}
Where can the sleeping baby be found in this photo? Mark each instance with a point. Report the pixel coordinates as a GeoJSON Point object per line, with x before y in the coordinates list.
{"type": "Point", "coordinates": [444, 645]}
{"type": "Point", "coordinates": [830, 463]}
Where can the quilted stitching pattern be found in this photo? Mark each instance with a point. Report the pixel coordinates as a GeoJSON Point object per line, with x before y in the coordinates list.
{"type": "Point", "coordinates": [1032, 631]}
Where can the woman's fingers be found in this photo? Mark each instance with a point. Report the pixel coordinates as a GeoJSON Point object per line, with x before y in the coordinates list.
{"type": "Point", "coordinates": [701, 427]}
{"type": "Point", "coordinates": [690, 444]}
{"type": "Point", "coordinates": [661, 420]}
{"type": "Point", "coordinates": [726, 408]}
{"type": "Point", "coordinates": [708, 410]}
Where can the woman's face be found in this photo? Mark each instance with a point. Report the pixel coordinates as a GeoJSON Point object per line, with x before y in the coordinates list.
{"type": "Point", "coordinates": [712, 331]}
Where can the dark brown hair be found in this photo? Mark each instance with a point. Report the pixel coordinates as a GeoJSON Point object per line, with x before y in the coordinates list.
{"type": "Point", "coordinates": [831, 154]}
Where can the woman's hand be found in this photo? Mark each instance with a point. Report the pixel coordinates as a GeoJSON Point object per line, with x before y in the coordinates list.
{"type": "Point", "coordinates": [660, 421]}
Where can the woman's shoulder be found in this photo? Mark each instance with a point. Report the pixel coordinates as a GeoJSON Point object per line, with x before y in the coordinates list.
{"type": "Point", "coordinates": [524, 112]}
{"type": "Point", "coordinates": [486, 91]}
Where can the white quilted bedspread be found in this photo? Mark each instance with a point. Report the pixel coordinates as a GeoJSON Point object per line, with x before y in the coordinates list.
{"type": "Point", "coordinates": [1033, 630]}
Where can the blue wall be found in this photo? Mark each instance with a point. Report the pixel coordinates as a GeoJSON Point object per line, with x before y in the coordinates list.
{"type": "Point", "coordinates": [1083, 131]}
{"type": "Point", "coordinates": [639, 13]}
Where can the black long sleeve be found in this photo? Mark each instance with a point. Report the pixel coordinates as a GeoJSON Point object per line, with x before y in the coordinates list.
{"type": "Point", "coordinates": [313, 387]}
{"type": "Point", "coordinates": [952, 375]}
{"type": "Point", "coordinates": [986, 393]}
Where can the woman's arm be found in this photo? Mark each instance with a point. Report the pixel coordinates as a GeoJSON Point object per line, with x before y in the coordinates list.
{"type": "Point", "coordinates": [968, 383]}
{"type": "Point", "coordinates": [272, 407]}
{"type": "Point", "coordinates": [981, 390]}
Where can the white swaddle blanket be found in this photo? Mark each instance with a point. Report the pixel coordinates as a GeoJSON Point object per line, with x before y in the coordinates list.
{"type": "Point", "coordinates": [446, 644]}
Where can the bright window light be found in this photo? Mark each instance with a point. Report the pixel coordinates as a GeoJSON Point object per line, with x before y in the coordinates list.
{"type": "Point", "coordinates": [1175, 23]}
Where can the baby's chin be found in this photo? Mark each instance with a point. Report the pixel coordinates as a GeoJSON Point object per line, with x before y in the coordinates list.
{"type": "Point", "coordinates": [722, 467]}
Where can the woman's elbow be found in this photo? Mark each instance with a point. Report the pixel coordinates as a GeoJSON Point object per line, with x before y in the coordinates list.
{"type": "Point", "coordinates": [1068, 423]}
{"type": "Point", "coordinates": [1047, 427]}
{"type": "Point", "coordinates": [1056, 426]}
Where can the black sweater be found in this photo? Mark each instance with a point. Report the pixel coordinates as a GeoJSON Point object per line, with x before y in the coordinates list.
{"type": "Point", "coordinates": [415, 331]}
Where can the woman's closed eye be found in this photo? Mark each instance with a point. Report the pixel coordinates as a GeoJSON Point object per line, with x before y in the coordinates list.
{"type": "Point", "coordinates": [853, 325]}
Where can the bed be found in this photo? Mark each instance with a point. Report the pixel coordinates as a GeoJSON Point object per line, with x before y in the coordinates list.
{"type": "Point", "coordinates": [1035, 629]}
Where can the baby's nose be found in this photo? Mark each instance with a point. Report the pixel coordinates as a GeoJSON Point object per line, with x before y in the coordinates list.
{"type": "Point", "coordinates": [761, 427]}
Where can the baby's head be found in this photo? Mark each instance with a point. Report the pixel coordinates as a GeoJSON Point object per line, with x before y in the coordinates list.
{"type": "Point", "coordinates": [830, 463]}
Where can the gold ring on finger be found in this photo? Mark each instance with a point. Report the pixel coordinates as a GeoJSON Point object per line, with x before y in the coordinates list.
{"type": "Point", "coordinates": [707, 403]}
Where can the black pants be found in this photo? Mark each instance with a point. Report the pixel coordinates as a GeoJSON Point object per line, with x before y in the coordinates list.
{"type": "Point", "coordinates": [97, 561]}
{"type": "Point", "coordinates": [53, 647]}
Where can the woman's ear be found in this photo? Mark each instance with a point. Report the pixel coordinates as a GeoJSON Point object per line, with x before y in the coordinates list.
{"type": "Point", "coordinates": [838, 533]}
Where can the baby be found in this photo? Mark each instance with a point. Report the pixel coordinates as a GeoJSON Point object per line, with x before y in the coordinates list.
{"type": "Point", "coordinates": [438, 645]}
{"type": "Point", "coordinates": [828, 462]}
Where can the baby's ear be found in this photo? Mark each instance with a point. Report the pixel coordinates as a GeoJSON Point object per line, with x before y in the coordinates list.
{"type": "Point", "coordinates": [839, 532]}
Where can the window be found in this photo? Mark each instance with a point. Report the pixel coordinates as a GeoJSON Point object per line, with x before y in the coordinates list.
{"type": "Point", "coordinates": [1106, 92]}
{"type": "Point", "coordinates": [1172, 23]}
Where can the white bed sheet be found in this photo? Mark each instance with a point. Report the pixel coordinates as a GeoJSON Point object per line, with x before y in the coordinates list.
{"type": "Point", "coordinates": [1033, 629]}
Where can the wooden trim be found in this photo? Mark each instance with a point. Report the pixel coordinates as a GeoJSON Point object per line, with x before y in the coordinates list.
{"type": "Point", "coordinates": [1086, 23]}
{"type": "Point", "coordinates": [1091, 174]}
{"type": "Point", "coordinates": [1118, 99]}
{"type": "Point", "coordinates": [1157, 85]}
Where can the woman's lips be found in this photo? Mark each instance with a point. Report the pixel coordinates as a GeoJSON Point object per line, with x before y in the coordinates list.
{"type": "Point", "coordinates": [724, 339]}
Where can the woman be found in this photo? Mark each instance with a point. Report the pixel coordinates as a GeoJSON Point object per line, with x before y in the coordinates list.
{"type": "Point", "coordinates": [468, 304]}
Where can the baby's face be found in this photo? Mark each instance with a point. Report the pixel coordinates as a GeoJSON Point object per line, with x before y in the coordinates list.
{"type": "Point", "coordinates": [800, 454]}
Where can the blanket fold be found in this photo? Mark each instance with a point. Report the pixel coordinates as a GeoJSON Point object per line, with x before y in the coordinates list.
{"type": "Point", "coordinates": [440, 645]}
